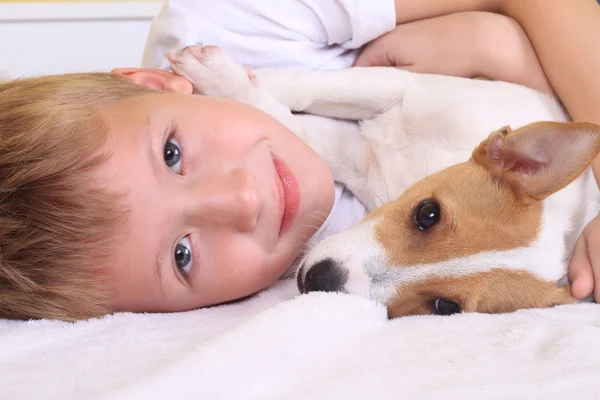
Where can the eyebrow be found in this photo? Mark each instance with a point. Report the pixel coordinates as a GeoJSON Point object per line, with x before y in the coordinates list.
{"type": "Point", "coordinates": [153, 160]}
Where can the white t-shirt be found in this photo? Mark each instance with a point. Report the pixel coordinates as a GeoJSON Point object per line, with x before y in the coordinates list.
{"type": "Point", "coordinates": [294, 34]}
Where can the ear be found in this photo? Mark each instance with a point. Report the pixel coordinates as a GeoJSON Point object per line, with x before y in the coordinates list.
{"type": "Point", "coordinates": [157, 79]}
{"type": "Point", "coordinates": [541, 158]}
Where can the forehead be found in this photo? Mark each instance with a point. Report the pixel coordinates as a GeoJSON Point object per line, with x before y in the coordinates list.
{"type": "Point", "coordinates": [130, 171]}
{"type": "Point", "coordinates": [477, 214]}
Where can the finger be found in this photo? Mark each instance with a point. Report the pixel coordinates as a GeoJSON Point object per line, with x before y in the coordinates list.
{"type": "Point", "coordinates": [580, 270]}
{"type": "Point", "coordinates": [594, 272]}
{"type": "Point", "coordinates": [597, 286]}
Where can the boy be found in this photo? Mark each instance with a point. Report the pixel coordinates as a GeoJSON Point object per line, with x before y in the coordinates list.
{"type": "Point", "coordinates": [138, 197]}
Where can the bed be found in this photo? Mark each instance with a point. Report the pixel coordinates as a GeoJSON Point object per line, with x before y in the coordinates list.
{"type": "Point", "coordinates": [282, 345]}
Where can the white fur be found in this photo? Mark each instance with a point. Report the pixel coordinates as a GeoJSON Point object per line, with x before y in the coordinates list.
{"type": "Point", "coordinates": [411, 125]}
{"type": "Point", "coordinates": [381, 130]}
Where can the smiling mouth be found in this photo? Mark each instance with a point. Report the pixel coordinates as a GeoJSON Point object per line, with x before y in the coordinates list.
{"type": "Point", "coordinates": [289, 195]}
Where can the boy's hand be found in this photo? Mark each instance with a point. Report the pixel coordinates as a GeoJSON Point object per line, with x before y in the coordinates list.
{"type": "Point", "coordinates": [584, 267]}
{"type": "Point", "coordinates": [469, 44]}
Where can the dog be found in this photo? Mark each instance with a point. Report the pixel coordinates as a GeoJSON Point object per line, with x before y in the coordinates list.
{"type": "Point", "coordinates": [460, 219]}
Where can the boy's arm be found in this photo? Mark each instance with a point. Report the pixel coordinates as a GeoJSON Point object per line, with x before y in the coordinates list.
{"type": "Point", "coordinates": [467, 44]}
{"type": "Point", "coordinates": [414, 10]}
{"type": "Point", "coordinates": [566, 37]}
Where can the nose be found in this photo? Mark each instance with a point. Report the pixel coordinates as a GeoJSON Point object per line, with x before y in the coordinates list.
{"type": "Point", "coordinates": [324, 276]}
{"type": "Point", "coordinates": [231, 199]}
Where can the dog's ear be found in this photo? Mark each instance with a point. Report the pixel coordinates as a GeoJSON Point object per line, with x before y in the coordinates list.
{"type": "Point", "coordinates": [541, 158]}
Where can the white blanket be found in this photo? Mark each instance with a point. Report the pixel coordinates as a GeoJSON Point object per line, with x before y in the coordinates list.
{"type": "Point", "coordinates": [278, 345]}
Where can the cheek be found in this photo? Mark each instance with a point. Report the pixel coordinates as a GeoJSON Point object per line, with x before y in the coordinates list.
{"type": "Point", "coordinates": [237, 268]}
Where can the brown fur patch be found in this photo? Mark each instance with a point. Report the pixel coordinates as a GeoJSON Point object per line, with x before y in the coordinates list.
{"type": "Point", "coordinates": [477, 213]}
{"type": "Point", "coordinates": [496, 291]}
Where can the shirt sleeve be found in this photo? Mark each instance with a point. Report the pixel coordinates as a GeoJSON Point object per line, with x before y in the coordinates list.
{"type": "Point", "coordinates": [296, 34]}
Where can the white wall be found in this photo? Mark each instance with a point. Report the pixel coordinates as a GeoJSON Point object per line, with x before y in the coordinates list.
{"type": "Point", "coordinates": [46, 38]}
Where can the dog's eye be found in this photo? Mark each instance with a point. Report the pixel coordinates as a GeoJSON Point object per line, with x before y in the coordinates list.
{"type": "Point", "coordinates": [427, 215]}
{"type": "Point", "coordinates": [445, 307]}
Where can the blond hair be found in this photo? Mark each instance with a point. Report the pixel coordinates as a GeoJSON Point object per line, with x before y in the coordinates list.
{"type": "Point", "coordinates": [57, 227]}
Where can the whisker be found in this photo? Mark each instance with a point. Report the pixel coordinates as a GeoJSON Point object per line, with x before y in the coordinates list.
{"type": "Point", "coordinates": [294, 262]}
{"type": "Point", "coordinates": [310, 226]}
{"type": "Point", "coordinates": [385, 185]}
{"type": "Point", "coordinates": [365, 181]}
{"type": "Point", "coordinates": [319, 216]}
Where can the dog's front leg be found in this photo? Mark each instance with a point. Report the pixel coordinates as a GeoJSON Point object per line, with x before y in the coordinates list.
{"type": "Point", "coordinates": [355, 93]}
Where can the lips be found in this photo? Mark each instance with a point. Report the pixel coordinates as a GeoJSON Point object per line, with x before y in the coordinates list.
{"type": "Point", "coordinates": [289, 195]}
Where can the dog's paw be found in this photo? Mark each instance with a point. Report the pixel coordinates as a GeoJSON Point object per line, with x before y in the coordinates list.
{"type": "Point", "coordinates": [212, 72]}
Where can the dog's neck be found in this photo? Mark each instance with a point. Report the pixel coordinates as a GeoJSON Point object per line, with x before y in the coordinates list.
{"type": "Point", "coordinates": [565, 215]}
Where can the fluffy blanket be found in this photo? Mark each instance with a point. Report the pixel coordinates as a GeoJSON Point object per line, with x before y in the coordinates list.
{"type": "Point", "coordinates": [278, 345]}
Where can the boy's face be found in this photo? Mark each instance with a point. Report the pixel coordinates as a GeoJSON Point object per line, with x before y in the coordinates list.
{"type": "Point", "coordinates": [223, 197]}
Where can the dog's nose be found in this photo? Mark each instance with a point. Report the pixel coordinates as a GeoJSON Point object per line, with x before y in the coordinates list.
{"type": "Point", "coordinates": [325, 276]}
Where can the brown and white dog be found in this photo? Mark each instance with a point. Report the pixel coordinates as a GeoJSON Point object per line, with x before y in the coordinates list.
{"type": "Point", "coordinates": [450, 229]}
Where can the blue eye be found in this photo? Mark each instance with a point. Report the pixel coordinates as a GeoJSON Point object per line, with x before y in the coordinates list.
{"type": "Point", "coordinates": [183, 255]}
{"type": "Point", "coordinates": [172, 155]}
